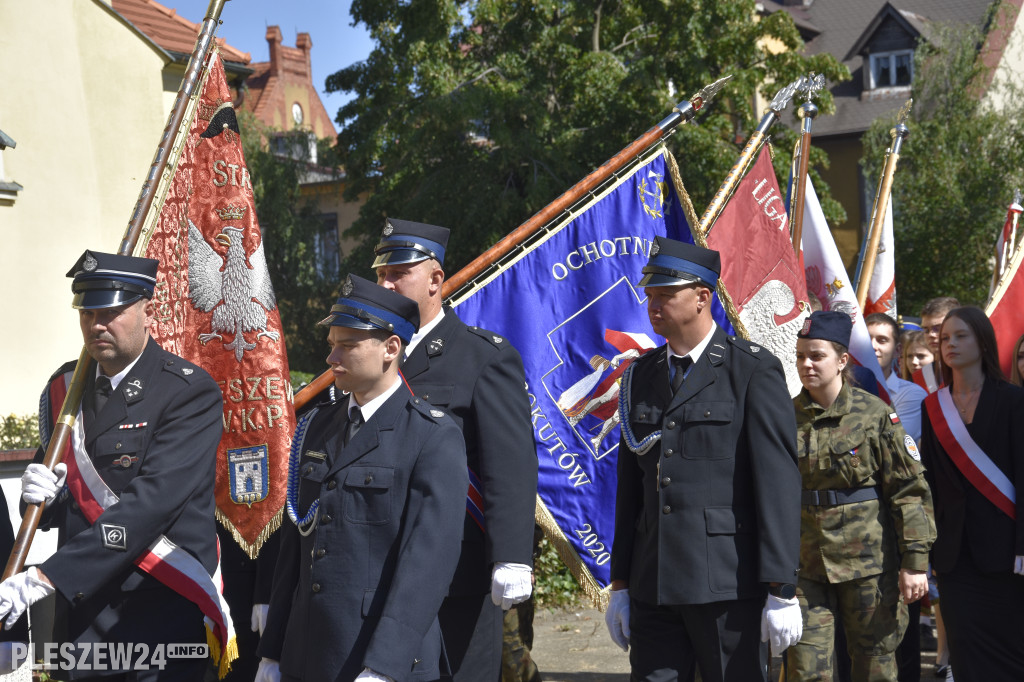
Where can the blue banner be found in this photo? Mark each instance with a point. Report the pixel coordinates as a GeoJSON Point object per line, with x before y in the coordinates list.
{"type": "Point", "coordinates": [571, 306]}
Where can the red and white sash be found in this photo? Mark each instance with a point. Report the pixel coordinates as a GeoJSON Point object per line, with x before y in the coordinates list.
{"type": "Point", "coordinates": [925, 378]}
{"type": "Point", "coordinates": [979, 470]}
{"type": "Point", "coordinates": [165, 561]}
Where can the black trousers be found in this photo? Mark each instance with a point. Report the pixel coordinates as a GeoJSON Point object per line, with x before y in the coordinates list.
{"type": "Point", "coordinates": [472, 627]}
{"type": "Point", "coordinates": [984, 617]}
{"type": "Point", "coordinates": [722, 639]}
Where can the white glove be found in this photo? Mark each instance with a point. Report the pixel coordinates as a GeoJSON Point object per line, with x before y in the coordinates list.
{"type": "Point", "coordinates": [269, 671]}
{"type": "Point", "coordinates": [39, 484]}
{"type": "Point", "coordinates": [19, 592]}
{"type": "Point", "coordinates": [617, 618]}
{"type": "Point", "coordinates": [258, 620]}
{"type": "Point", "coordinates": [1018, 565]}
{"type": "Point", "coordinates": [510, 584]}
{"type": "Point", "coordinates": [371, 676]}
{"type": "Point", "coordinates": [782, 623]}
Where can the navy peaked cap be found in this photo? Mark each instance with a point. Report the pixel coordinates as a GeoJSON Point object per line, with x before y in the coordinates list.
{"type": "Point", "coordinates": [830, 325]}
{"type": "Point", "coordinates": [674, 263]}
{"type": "Point", "coordinates": [404, 241]}
{"type": "Point", "coordinates": [366, 305]}
{"type": "Point", "coordinates": [107, 280]}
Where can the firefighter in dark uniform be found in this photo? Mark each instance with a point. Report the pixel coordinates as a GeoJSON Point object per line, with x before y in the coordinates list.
{"type": "Point", "coordinates": [149, 427]}
{"type": "Point", "coordinates": [476, 376]}
{"type": "Point", "coordinates": [707, 510]}
{"type": "Point", "coordinates": [376, 496]}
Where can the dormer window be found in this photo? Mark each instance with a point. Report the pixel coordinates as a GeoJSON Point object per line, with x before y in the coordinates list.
{"type": "Point", "coordinates": [892, 69]}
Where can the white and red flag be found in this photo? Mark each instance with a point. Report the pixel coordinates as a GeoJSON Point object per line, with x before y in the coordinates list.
{"type": "Point", "coordinates": [882, 288]}
{"type": "Point", "coordinates": [827, 279]}
{"type": "Point", "coordinates": [1006, 308]}
{"type": "Point", "coordinates": [760, 270]}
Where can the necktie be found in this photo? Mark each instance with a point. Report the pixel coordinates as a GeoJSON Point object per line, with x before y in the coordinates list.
{"type": "Point", "coordinates": [681, 364]}
{"type": "Point", "coordinates": [103, 391]}
{"type": "Point", "coordinates": [355, 420]}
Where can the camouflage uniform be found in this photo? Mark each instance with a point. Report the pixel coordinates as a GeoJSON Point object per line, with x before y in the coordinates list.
{"type": "Point", "coordinates": [851, 553]}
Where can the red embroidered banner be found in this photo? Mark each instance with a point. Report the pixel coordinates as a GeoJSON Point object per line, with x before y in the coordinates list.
{"type": "Point", "coordinates": [215, 306]}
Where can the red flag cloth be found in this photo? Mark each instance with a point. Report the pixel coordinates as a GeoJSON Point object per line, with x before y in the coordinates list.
{"type": "Point", "coordinates": [1006, 309]}
{"type": "Point", "coordinates": [215, 306]}
{"type": "Point", "coordinates": [760, 269]}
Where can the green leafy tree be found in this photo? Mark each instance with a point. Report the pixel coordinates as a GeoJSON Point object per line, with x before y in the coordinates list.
{"type": "Point", "coordinates": [476, 114]}
{"type": "Point", "coordinates": [956, 174]}
{"type": "Point", "coordinates": [290, 227]}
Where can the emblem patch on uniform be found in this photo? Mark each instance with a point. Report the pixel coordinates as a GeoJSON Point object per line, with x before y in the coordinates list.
{"type": "Point", "coordinates": [496, 339]}
{"type": "Point", "coordinates": [132, 389]}
{"type": "Point", "coordinates": [912, 448]}
{"type": "Point", "coordinates": [755, 349]}
{"type": "Point", "coordinates": [436, 414]}
{"type": "Point", "coordinates": [855, 459]}
{"type": "Point", "coordinates": [249, 470]}
{"type": "Point", "coordinates": [316, 455]}
{"type": "Point", "coordinates": [114, 537]}
{"type": "Point", "coordinates": [807, 326]}
{"type": "Point", "coordinates": [655, 249]}
{"type": "Point", "coordinates": [126, 461]}
{"type": "Point", "coordinates": [388, 228]}
{"type": "Point", "coordinates": [346, 288]}
{"type": "Point", "coordinates": [187, 370]}
{"type": "Point", "coordinates": [894, 418]}
{"type": "Point", "coordinates": [435, 346]}
{"type": "Point", "coordinates": [140, 425]}
{"type": "Point", "coordinates": [89, 263]}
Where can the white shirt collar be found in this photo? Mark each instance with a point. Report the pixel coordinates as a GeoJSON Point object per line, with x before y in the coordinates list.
{"type": "Point", "coordinates": [698, 350]}
{"type": "Point", "coordinates": [423, 331]}
{"type": "Point", "coordinates": [116, 379]}
{"type": "Point", "coordinates": [369, 408]}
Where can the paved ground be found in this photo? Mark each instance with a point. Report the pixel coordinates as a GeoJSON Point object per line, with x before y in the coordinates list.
{"type": "Point", "coordinates": [572, 645]}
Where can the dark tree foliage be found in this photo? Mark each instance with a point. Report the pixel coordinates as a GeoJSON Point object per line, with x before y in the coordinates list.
{"type": "Point", "coordinates": [957, 171]}
{"type": "Point", "coordinates": [290, 226]}
{"type": "Point", "coordinates": [476, 114]}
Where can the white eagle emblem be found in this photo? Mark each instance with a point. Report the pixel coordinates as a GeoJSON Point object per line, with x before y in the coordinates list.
{"type": "Point", "coordinates": [239, 296]}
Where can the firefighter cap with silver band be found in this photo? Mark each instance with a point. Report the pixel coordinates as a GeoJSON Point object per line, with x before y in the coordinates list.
{"type": "Point", "coordinates": [366, 305]}
{"type": "Point", "coordinates": [674, 263]}
{"type": "Point", "coordinates": [404, 241]}
{"type": "Point", "coordinates": [108, 280]}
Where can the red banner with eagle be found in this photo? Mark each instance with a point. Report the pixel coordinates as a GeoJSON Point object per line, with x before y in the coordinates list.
{"type": "Point", "coordinates": [214, 305]}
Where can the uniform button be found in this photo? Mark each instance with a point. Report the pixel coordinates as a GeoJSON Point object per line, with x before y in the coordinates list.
{"type": "Point", "coordinates": [79, 595]}
{"type": "Point", "coordinates": [308, 470]}
{"type": "Point", "coordinates": [326, 518]}
{"type": "Point", "coordinates": [74, 505]}
{"type": "Point", "coordinates": [315, 587]}
{"type": "Point", "coordinates": [665, 481]}
{"type": "Point", "coordinates": [320, 552]}
{"type": "Point", "coordinates": [707, 413]}
{"type": "Point", "coordinates": [666, 509]}
{"type": "Point", "coordinates": [739, 525]}
{"type": "Point", "coordinates": [368, 480]}
{"type": "Point", "coordinates": [118, 446]}
{"type": "Point", "coordinates": [426, 396]}
{"type": "Point", "coordinates": [669, 452]}
{"type": "Point", "coordinates": [332, 484]}
{"type": "Point", "coordinates": [670, 425]}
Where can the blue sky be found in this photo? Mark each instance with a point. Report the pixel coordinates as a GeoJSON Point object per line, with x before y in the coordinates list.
{"type": "Point", "coordinates": [336, 43]}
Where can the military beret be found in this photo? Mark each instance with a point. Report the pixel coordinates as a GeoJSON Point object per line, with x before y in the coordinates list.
{"type": "Point", "coordinates": [830, 325]}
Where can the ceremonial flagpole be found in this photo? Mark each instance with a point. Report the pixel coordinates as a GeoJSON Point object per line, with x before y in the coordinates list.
{"type": "Point", "coordinates": [807, 112]}
{"type": "Point", "coordinates": [753, 146]}
{"type": "Point", "coordinates": [169, 140]}
{"type": "Point", "coordinates": [682, 113]}
{"type": "Point", "coordinates": [899, 133]}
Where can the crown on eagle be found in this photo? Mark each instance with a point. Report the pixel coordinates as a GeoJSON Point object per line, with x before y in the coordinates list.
{"type": "Point", "coordinates": [231, 212]}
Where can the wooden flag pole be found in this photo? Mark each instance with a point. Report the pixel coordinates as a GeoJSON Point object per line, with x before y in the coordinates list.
{"type": "Point", "coordinates": [899, 133]}
{"type": "Point", "coordinates": [682, 113]}
{"type": "Point", "coordinates": [66, 419]}
{"type": "Point", "coordinates": [807, 112]}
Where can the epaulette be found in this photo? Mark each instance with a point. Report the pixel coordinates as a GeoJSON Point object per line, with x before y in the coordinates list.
{"type": "Point", "coordinates": [182, 368]}
{"type": "Point", "coordinates": [494, 339]}
{"type": "Point", "coordinates": [428, 410]}
{"type": "Point", "coordinates": [747, 346]}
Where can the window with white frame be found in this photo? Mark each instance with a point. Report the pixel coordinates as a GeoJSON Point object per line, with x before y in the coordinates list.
{"type": "Point", "coordinates": [892, 69]}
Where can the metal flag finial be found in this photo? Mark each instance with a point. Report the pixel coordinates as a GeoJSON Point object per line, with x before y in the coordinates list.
{"type": "Point", "coordinates": [1017, 196]}
{"type": "Point", "coordinates": [811, 85]}
{"type": "Point", "coordinates": [783, 96]}
{"type": "Point", "coordinates": [901, 118]}
{"type": "Point", "coordinates": [707, 93]}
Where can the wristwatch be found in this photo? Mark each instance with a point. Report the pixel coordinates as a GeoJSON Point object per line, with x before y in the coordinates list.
{"type": "Point", "coordinates": [782, 590]}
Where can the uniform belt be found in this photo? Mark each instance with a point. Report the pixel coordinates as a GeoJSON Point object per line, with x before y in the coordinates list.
{"type": "Point", "coordinates": [832, 498]}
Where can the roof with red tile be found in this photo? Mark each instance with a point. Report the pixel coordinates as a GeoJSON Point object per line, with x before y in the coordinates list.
{"type": "Point", "coordinates": [170, 31]}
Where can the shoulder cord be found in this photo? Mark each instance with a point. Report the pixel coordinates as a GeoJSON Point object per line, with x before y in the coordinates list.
{"type": "Point", "coordinates": [642, 447]}
{"type": "Point", "coordinates": [308, 522]}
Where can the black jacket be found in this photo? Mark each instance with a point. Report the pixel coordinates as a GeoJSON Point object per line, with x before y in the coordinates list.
{"type": "Point", "coordinates": [711, 512]}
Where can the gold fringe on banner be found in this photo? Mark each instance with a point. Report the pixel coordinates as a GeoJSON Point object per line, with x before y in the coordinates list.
{"type": "Point", "coordinates": [253, 549]}
{"type": "Point", "coordinates": [569, 557]}
{"type": "Point", "coordinates": [699, 238]}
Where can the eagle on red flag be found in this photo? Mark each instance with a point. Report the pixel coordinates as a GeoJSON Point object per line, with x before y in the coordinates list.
{"type": "Point", "coordinates": [214, 305]}
{"type": "Point", "coordinates": [760, 270]}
